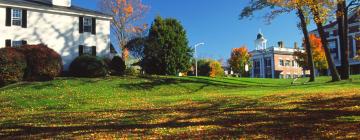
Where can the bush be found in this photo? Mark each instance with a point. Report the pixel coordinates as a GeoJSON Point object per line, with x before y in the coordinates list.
{"type": "Point", "coordinates": [12, 66]}
{"type": "Point", "coordinates": [215, 69]}
{"type": "Point", "coordinates": [43, 63]}
{"type": "Point", "coordinates": [208, 67]}
{"type": "Point", "coordinates": [203, 67]}
{"type": "Point", "coordinates": [132, 71]}
{"type": "Point", "coordinates": [88, 66]}
{"type": "Point", "coordinates": [117, 65]}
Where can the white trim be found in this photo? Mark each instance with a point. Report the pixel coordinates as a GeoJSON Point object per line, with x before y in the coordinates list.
{"type": "Point", "coordinates": [16, 18]}
{"type": "Point", "coordinates": [51, 10]}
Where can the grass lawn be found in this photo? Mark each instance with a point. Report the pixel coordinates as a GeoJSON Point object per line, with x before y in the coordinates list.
{"type": "Point", "coordinates": [181, 108]}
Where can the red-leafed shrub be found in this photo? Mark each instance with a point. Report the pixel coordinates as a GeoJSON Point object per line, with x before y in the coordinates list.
{"type": "Point", "coordinates": [43, 63]}
{"type": "Point", "coordinates": [12, 66]}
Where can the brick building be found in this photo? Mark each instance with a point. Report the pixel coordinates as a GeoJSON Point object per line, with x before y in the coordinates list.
{"type": "Point", "coordinates": [274, 62]}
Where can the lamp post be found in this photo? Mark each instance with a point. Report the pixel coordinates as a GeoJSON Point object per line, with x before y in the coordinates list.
{"type": "Point", "coordinates": [196, 65]}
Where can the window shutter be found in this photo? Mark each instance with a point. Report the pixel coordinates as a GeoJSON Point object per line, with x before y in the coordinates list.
{"type": "Point", "coordinates": [81, 50]}
{"type": "Point", "coordinates": [93, 26]}
{"type": "Point", "coordinates": [24, 42]}
{"type": "Point", "coordinates": [81, 25]}
{"type": "Point", "coordinates": [93, 49]}
{"type": "Point", "coordinates": [8, 17]}
{"type": "Point", "coordinates": [8, 43]}
{"type": "Point", "coordinates": [24, 19]}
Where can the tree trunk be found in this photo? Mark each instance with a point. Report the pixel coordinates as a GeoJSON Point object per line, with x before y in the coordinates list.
{"type": "Point", "coordinates": [334, 73]}
{"type": "Point", "coordinates": [343, 32]}
{"type": "Point", "coordinates": [307, 45]}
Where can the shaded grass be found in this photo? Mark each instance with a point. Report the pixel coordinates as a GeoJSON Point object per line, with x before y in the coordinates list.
{"type": "Point", "coordinates": [187, 107]}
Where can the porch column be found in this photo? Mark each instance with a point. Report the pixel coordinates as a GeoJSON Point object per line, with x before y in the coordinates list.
{"type": "Point", "coordinates": [262, 67]}
{"type": "Point", "coordinates": [253, 69]}
{"type": "Point", "coordinates": [272, 67]}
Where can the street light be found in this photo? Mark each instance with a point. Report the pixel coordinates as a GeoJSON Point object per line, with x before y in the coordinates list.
{"type": "Point", "coordinates": [196, 65]}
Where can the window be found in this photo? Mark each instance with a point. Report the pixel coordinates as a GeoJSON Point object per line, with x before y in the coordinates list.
{"type": "Point", "coordinates": [293, 63]}
{"type": "Point", "coordinates": [87, 50]}
{"type": "Point", "coordinates": [268, 62]}
{"type": "Point", "coordinates": [281, 76]}
{"type": "Point", "coordinates": [288, 76]}
{"type": "Point", "coordinates": [16, 17]}
{"type": "Point", "coordinates": [281, 62]}
{"type": "Point", "coordinates": [357, 41]}
{"type": "Point", "coordinates": [17, 43]}
{"type": "Point", "coordinates": [287, 63]}
{"type": "Point", "coordinates": [87, 24]}
{"type": "Point", "coordinates": [333, 48]}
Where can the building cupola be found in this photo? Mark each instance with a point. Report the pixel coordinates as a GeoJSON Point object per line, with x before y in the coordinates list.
{"type": "Point", "coordinates": [63, 3]}
{"type": "Point", "coordinates": [260, 42]}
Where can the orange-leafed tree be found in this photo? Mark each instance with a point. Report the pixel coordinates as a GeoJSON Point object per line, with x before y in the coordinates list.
{"type": "Point", "coordinates": [240, 57]}
{"type": "Point", "coordinates": [318, 54]}
{"type": "Point", "coordinates": [216, 69]}
{"type": "Point", "coordinates": [126, 15]}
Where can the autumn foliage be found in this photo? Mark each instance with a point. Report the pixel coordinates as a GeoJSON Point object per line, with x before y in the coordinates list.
{"type": "Point", "coordinates": [216, 69]}
{"type": "Point", "coordinates": [43, 63]}
{"type": "Point", "coordinates": [240, 57]}
{"type": "Point", "coordinates": [318, 54]}
{"type": "Point", "coordinates": [29, 62]}
{"type": "Point", "coordinates": [12, 66]}
{"type": "Point", "coordinates": [125, 17]}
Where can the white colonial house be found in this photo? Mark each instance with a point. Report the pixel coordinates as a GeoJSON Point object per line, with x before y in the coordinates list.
{"type": "Point", "coordinates": [69, 30]}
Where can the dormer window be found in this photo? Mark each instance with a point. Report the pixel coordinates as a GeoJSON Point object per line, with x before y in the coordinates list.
{"type": "Point", "coordinates": [87, 24]}
{"type": "Point", "coordinates": [16, 17]}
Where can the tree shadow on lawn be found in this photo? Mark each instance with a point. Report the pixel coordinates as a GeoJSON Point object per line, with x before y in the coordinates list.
{"type": "Point", "coordinates": [153, 82]}
{"type": "Point", "coordinates": [221, 118]}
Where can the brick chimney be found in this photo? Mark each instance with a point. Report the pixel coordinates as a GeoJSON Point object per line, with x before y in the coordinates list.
{"type": "Point", "coordinates": [281, 44]}
{"type": "Point", "coordinates": [296, 45]}
{"type": "Point", "coordinates": [63, 3]}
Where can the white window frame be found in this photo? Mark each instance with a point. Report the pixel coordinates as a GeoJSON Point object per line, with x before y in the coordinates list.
{"type": "Point", "coordinates": [18, 16]}
{"type": "Point", "coordinates": [87, 50]}
{"type": "Point", "coordinates": [283, 62]}
{"type": "Point", "coordinates": [87, 23]}
{"type": "Point", "coordinates": [16, 43]}
{"type": "Point", "coordinates": [287, 64]}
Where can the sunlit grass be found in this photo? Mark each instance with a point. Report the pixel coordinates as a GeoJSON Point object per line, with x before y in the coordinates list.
{"type": "Point", "coordinates": [180, 107]}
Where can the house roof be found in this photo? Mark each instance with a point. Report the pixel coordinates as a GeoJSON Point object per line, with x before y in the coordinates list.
{"type": "Point", "coordinates": [353, 17]}
{"type": "Point", "coordinates": [48, 4]}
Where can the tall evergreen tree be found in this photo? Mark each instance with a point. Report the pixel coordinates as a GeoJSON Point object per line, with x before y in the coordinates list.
{"type": "Point", "coordinates": [167, 51]}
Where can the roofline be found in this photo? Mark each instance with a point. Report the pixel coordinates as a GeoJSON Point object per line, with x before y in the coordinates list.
{"type": "Point", "coordinates": [356, 13]}
{"type": "Point", "coordinates": [55, 10]}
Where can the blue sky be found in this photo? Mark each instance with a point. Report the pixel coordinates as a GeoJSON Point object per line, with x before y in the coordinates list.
{"type": "Point", "coordinates": [216, 23]}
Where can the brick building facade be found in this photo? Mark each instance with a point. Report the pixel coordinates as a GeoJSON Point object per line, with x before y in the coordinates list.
{"type": "Point", "coordinates": [274, 62]}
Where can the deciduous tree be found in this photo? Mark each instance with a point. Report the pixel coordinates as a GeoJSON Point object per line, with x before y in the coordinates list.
{"type": "Point", "coordinates": [126, 14]}
{"type": "Point", "coordinates": [318, 54]}
{"type": "Point", "coordinates": [342, 21]}
{"type": "Point", "coordinates": [320, 11]}
{"type": "Point", "coordinates": [240, 57]}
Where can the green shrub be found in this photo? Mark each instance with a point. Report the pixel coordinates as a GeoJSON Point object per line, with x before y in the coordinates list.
{"type": "Point", "coordinates": [12, 66]}
{"type": "Point", "coordinates": [88, 66]}
{"type": "Point", "coordinates": [43, 63]}
{"type": "Point", "coordinates": [132, 71]}
{"type": "Point", "coordinates": [203, 67]}
{"type": "Point", "coordinates": [117, 66]}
